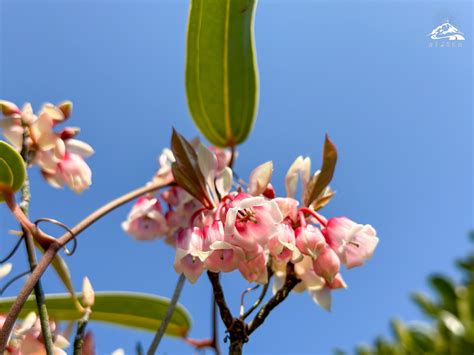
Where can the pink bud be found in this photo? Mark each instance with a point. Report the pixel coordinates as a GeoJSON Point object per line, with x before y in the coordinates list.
{"type": "Point", "coordinates": [327, 264]}
{"type": "Point", "coordinates": [310, 240]}
{"type": "Point", "coordinates": [66, 108]}
{"type": "Point", "coordinates": [9, 108]}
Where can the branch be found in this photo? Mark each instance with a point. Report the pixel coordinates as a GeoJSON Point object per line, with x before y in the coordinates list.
{"type": "Point", "coordinates": [262, 294]}
{"type": "Point", "coordinates": [169, 313]}
{"type": "Point", "coordinates": [56, 245]}
{"type": "Point", "coordinates": [290, 282]}
{"type": "Point", "coordinates": [225, 312]}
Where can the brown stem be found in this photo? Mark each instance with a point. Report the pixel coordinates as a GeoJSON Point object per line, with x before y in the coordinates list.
{"type": "Point", "coordinates": [290, 282]}
{"type": "Point", "coordinates": [225, 312]}
{"type": "Point", "coordinates": [53, 249]}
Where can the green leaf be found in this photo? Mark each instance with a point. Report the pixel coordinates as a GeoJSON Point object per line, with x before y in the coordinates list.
{"type": "Point", "coordinates": [62, 270]}
{"type": "Point", "coordinates": [127, 309]}
{"type": "Point", "coordinates": [426, 305]}
{"type": "Point", "coordinates": [16, 165]}
{"type": "Point", "coordinates": [186, 170]}
{"type": "Point", "coordinates": [6, 175]}
{"type": "Point", "coordinates": [221, 69]}
{"type": "Point", "coordinates": [319, 182]}
{"type": "Point", "coordinates": [446, 292]}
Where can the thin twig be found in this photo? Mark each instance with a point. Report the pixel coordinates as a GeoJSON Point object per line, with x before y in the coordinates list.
{"type": "Point", "coordinates": [290, 282]}
{"type": "Point", "coordinates": [215, 327]}
{"type": "Point", "coordinates": [262, 294]}
{"type": "Point", "coordinates": [31, 253]}
{"type": "Point", "coordinates": [13, 251]}
{"type": "Point", "coordinates": [10, 282]}
{"type": "Point", "coordinates": [53, 249]}
{"type": "Point", "coordinates": [242, 299]}
{"type": "Point", "coordinates": [81, 330]}
{"type": "Point", "coordinates": [169, 313]}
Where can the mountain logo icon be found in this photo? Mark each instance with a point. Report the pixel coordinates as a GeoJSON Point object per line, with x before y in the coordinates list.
{"type": "Point", "coordinates": [447, 31]}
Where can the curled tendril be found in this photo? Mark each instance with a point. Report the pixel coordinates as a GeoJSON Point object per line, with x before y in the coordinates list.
{"type": "Point", "coordinates": [242, 298]}
{"type": "Point", "coordinates": [66, 228]}
{"type": "Point", "coordinates": [13, 251]}
{"type": "Point", "coordinates": [9, 283]}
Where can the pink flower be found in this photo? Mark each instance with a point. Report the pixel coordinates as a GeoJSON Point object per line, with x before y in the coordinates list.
{"type": "Point", "coordinates": [190, 254]}
{"type": "Point", "coordinates": [255, 269]}
{"type": "Point", "coordinates": [310, 241]}
{"type": "Point", "coordinates": [327, 264]}
{"type": "Point", "coordinates": [251, 221]}
{"type": "Point", "coordinates": [223, 157]}
{"type": "Point", "coordinates": [282, 244]}
{"type": "Point", "coordinates": [70, 170]}
{"type": "Point", "coordinates": [288, 207]}
{"type": "Point", "coordinates": [146, 221]}
{"type": "Point", "coordinates": [13, 121]}
{"type": "Point", "coordinates": [354, 243]}
{"type": "Point", "coordinates": [223, 256]}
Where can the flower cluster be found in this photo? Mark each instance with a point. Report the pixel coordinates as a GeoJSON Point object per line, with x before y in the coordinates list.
{"type": "Point", "coordinates": [27, 338]}
{"type": "Point", "coordinates": [252, 230]}
{"type": "Point", "coordinates": [58, 154]}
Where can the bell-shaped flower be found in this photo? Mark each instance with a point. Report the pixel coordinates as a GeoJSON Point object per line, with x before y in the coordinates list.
{"type": "Point", "coordinates": [310, 241]}
{"type": "Point", "coordinates": [190, 254]}
{"type": "Point", "coordinates": [41, 130]}
{"type": "Point", "coordinates": [251, 221]}
{"type": "Point", "coordinates": [353, 242]}
{"type": "Point", "coordinates": [146, 221]}
{"type": "Point", "coordinates": [323, 297]}
{"type": "Point", "coordinates": [260, 178]}
{"type": "Point", "coordinates": [255, 268]}
{"type": "Point", "coordinates": [223, 256]}
{"type": "Point", "coordinates": [282, 245]}
{"type": "Point", "coordinates": [327, 264]}
{"type": "Point", "coordinates": [74, 172]}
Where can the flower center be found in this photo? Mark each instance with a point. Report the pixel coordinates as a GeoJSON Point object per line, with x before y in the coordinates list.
{"type": "Point", "coordinates": [246, 215]}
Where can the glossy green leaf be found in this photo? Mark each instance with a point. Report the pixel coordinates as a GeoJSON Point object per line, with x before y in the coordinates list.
{"type": "Point", "coordinates": [221, 69]}
{"type": "Point", "coordinates": [127, 309]}
{"type": "Point", "coordinates": [15, 163]}
{"type": "Point", "coordinates": [446, 292]}
{"type": "Point", "coordinates": [319, 182]}
{"type": "Point", "coordinates": [62, 270]}
{"type": "Point", "coordinates": [6, 175]}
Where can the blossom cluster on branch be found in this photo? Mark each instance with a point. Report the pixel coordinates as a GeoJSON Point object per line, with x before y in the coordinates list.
{"type": "Point", "coordinates": [221, 224]}
{"type": "Point", "coordinates": [59, 155]}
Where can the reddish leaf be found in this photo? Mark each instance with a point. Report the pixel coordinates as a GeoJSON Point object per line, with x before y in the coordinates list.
{"type": "Point", "coordinates": [319, 182]}
{"type": "Point", "coordinates": [186, 169]}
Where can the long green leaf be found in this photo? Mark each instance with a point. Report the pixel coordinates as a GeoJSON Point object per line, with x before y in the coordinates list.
{"type": "Point", "coordinates": [221, 69]}
{"type": "Point", "coordinates": [127, 309]}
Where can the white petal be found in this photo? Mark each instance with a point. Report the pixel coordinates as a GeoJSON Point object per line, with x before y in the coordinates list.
{"type": "Point", "coordinates": [79, 147]}
{"type": "Point", "coordinates": [322, 297]}
{"type": "Point", "coordinates": [260, 178]}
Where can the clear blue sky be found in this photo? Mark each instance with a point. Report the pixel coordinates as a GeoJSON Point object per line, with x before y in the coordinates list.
{"type": "Point", "coordinates": [399, 111]}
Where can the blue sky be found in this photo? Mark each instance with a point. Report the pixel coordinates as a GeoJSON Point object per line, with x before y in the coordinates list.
{"type": "Point", "coordinates": [399, 111]}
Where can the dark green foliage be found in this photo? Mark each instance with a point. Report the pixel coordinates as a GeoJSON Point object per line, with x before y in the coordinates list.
{"type": "Point", "coordinates": [451, 313]}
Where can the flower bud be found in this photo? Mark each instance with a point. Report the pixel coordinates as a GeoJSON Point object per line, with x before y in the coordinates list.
{"type": "Point", "coordinates": [88, 296]}
{"type": "Point", "coordinates": [66, 108]}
